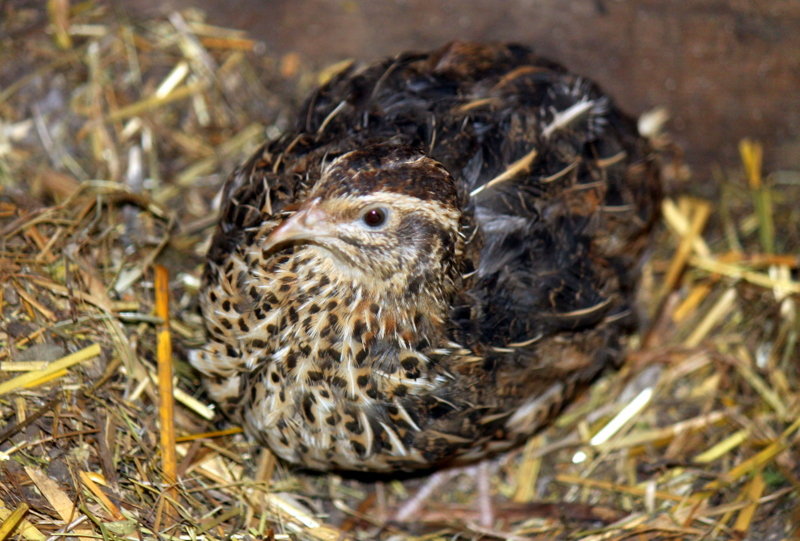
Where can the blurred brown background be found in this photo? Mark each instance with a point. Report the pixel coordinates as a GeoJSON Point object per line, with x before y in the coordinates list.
{"type": "Point", "coordinates": [725, 69]}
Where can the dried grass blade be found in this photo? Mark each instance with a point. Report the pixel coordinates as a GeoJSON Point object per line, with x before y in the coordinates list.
{"type": "Point", "coordinates": [58, 499]}
{"type": "Point", "coordinates": [665, 433]}
{"type": "Point", "coordinates": [614, 487]}
{"type": "Point", "coordinates": [762, 388]}
{"type": "Point", "coordinates": [42, 243]}
{"type": "Point", "coordinates": [285, 507]}
{"type": "Point", "coordinates": [265, 467]}
{"type": "Point", "coordinates": [100, 495]}
{"type": "Point", "coordinates": [528, 471]}
{"type": "Point", "coordinates": [188, 400]}
{"type": "Point", "coordinates": [58, 10]}
{"type": "Point", "coordinates": [155, 102]}
{"type": "Point", "coordinates": [735, 271]}
{"type": "Point", "coordinates": [520, 166]}
{"type": "Point", "coordinates": [172, 80]}
{"type": "Point", "coordinates": [42, 309]}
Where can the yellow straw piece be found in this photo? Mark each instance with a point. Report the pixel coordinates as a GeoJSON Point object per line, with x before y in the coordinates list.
{"type": "Point", "coordinates": [39, 376]}
{"type": "Point", "coordinates": [87, 481]}
{"type": "Point", "coordinates": [702, 210]}
{"type": "Point", "coordinates": [753, 492]}
{"type": "Point", "coordinates": [752, 154]}
{"type": "Point", "coordinates": [691, 302]}
{"type": "Point", "coordinates": [47, 378]}
{"type": "Point", "coordinates": [24, 529]}
{"type": "Point", "coordinates": [22, 366]}
{"type": "Point", "coordinates": [756, 461]}
{"type": "Point", "coordinates": [528, 472]}
{"type": "Point", "coordinates": [614, 487]}
{"type": "Point", "coordinates": [715, 315]}
{"type": "Point", "coordinates": [725, 446]}
{"type": "Point", "coordinates": [215, 434]}
{"type": "Point", "coordinates": [735, 271]}
{"type": "Point", "coordinates": [10, 523]}
{"type": "Point", "coordinates": [166, 404]}
{"type": "Point", "coordinates": [154, 102]}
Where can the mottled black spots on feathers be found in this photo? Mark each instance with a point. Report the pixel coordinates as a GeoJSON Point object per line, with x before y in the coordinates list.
{"type": "Point", "coordinates": [308, 408]}
{"type": "Point", "coordinates": [524, 198]}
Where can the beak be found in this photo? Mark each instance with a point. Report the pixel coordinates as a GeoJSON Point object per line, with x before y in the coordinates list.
{"type": "Point", "coordinates": [309, 223]}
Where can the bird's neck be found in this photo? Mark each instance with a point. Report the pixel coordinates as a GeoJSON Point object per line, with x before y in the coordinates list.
{"type": "Point", "coordinates": [406, 308]}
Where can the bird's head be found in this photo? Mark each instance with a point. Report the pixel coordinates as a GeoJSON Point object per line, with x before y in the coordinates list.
{"type": "Point", "coordinates": [387, 216]}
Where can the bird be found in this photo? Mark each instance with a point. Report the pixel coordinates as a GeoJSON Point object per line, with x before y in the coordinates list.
{"type": "Point", "coordinates": [431, 264]}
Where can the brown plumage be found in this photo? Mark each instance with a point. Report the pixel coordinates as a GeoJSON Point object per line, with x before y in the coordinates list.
{"type": "Point", "coordinates": [426, 268]}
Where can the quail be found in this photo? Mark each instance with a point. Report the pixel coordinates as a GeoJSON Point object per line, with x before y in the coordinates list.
{"type": "Point", "coordinates": [433, 261]}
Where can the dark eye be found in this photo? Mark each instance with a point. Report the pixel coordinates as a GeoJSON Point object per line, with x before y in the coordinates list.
{"type": "Point", "coordinates": [374, 217]}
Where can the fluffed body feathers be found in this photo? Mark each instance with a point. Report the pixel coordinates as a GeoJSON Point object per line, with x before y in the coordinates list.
{"type": "Point", "coordinates": [430, 264]}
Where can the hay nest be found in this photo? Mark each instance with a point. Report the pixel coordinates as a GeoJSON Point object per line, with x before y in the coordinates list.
{"type": "Point", "coordinates": [114, 139]}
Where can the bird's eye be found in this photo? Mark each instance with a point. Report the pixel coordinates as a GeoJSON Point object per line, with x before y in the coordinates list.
{"type": "Point", "coordinates": [374, 217]}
